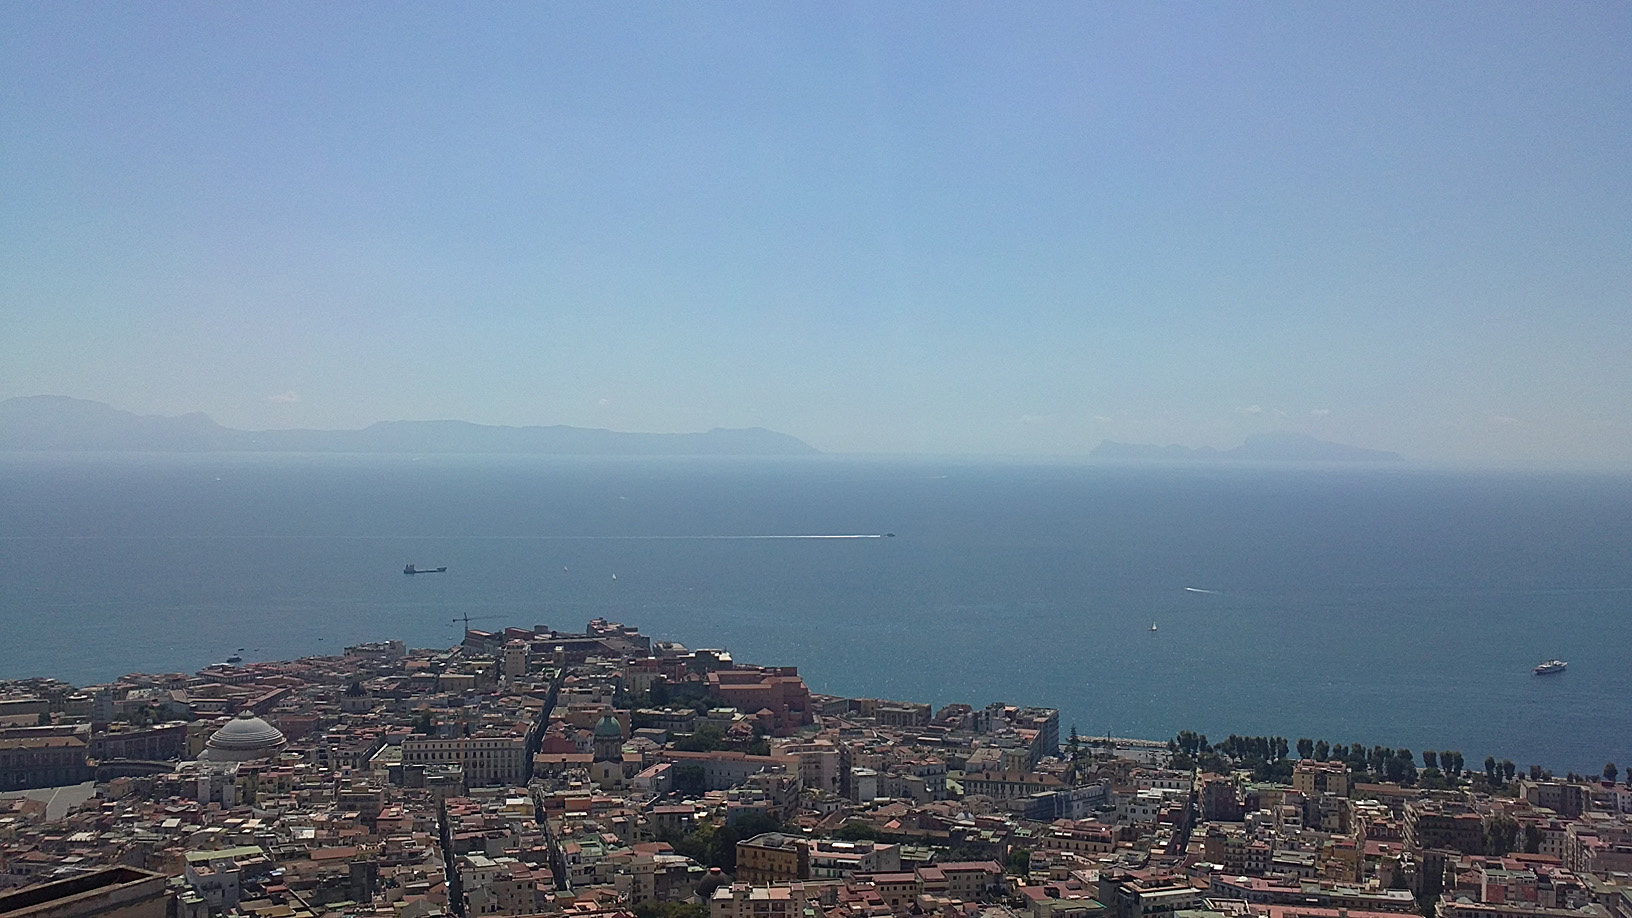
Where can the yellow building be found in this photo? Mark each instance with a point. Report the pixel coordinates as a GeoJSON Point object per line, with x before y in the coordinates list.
{"type": "Point", "coordinates": [772, 858]}
{"type": "Point", "coordinates": [1310, 778]}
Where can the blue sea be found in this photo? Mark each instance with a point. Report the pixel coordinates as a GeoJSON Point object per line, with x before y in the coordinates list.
{"type": "Point", "coordinates": [1380, 605]}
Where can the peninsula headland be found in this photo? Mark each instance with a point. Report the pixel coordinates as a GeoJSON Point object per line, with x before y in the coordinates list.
{"type": "Point", "coordinates": [49, 422]}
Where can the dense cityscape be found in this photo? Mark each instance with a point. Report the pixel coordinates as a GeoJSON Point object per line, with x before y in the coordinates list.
{"type": "Point", "coordinates": [532, 771]}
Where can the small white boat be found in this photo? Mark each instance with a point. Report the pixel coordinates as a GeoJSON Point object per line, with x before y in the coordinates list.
{"type": "Point", "coordinates": [1153, 626]}
{"type": "Point", "coordinates": [1551, 666]}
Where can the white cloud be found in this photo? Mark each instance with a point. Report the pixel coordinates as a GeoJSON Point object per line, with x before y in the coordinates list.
{"type": "Point", "coordinates": [1251, 409]}
{"type": "Point", "coordinates": [1504, 420]}
{"type": "Point", "coordinates": [285, 398]}
{"type": "Point", "coordinates": [1102, 419]}
{"type": "Point", "coordinates": [1033, 418]}
{"type": "Point", "coordinates": [1320, 412]}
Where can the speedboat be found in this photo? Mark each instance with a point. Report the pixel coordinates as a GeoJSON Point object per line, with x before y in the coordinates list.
{"type": "Point", "coordinates": [1551, 666]}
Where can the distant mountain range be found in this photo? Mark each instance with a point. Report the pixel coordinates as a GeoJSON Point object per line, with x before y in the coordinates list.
{"type": "Point", "coordinates": [54, 422]}
{"type": "Point", "coordinates": [1282, 446]}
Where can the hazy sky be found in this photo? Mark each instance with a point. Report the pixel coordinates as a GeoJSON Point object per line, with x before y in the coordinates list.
{"type": "Point", "coordinates": [922, 227]}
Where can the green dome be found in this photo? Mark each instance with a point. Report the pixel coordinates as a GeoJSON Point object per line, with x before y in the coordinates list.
{"type": "Point", "coordinates": [608, 728]}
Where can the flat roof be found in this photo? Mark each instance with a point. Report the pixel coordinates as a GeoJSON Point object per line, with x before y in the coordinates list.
{"type": "Point", "coordinates": [51, 895]}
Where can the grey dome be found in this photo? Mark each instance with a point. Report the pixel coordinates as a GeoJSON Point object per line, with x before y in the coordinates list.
{"type": "Point", "coordinates": [243, 738]}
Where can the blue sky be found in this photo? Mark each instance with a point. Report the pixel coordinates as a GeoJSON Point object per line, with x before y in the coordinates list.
{"type": "Point", "coordinates": [906, 227]}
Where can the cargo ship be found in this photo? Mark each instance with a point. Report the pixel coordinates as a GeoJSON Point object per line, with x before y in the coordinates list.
{"type": "Point", "coordinates": [410, 569]}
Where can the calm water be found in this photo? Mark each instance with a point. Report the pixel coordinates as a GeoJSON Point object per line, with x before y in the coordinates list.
{"type": "Point", "coordinates": [1384, 606]}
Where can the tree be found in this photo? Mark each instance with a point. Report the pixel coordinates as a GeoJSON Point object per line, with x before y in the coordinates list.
{"type": "Point", "coordinates": [722, 848]}
{"type": "Point", "coordinates": [693, 844]}
{"type": "Point", "coordinates": [1278, 771]}
{"type": "Point", "coordinates": [1401, 767]}
{"type": "Point", "coordinates": [655, 909]}
{"type": "Point", "coordinates": [1306, 747]}
{"type": "Point", "coordinates": [1357, 757]}
{"type": "Point", "coordinates": [856, 831]}
{"type": "Point", "coordinates": [424, 723]}
{"type": "Point", "coordinates": [1189, 742]}
{"type": "Point", "coordinates": [1434, 779]}
{"type": "Point", "coordinates": [1490, 769]}
{"type": "Point", "coordinates": [689, 778]}
{"type": "Point", "coordinates": [1532, 838]}
{"type": "Point", "coordinates": [1509, 769]}
{"type": "Point", "coordinates": [1610, 771]}
{"type": "Point", "coordinates": [1073, 745]}
{"type": "Point", "coordinates": [1500, 834]}
{"type": "Point", "coordinates": [44, 720]}
{"type": "Point", "coordinates": [1019, 862]}
{"type": "Point", "coordinates": [1394, 765]}
{"type": "Point", "coordinates": [706, 738]}
{"type": "Point", "coordinates": [1430, 758]}
{"type": "Point", "coordinates": [1323, 750]}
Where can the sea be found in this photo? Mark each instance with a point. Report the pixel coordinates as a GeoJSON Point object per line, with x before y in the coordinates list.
{"type": "Point", "coordinates": [1377, 604]}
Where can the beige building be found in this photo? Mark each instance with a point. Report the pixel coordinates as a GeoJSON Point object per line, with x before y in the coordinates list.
{"type": "Point", "coordinates": [1009, 785]}
{"type": "Point", "coordinates": [789, 900]}
{"type": "Point", "coordinates": [966, 880]}
{"type": "Point", "coordinates": [817, 763]}
{"type": "Point", "coordinates": [831, 859]}
{"type": "Point", "coordinates": [486, 759]}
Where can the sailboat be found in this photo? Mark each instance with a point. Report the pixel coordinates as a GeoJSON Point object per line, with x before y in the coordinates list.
{"type": "Point", "coordinates": [1153, 626]}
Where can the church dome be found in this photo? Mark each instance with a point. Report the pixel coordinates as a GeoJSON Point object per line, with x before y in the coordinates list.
{"type": "Point", "coordinates": [242, 739]}
{"type": "Point", "coordinates": [608, 728]}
